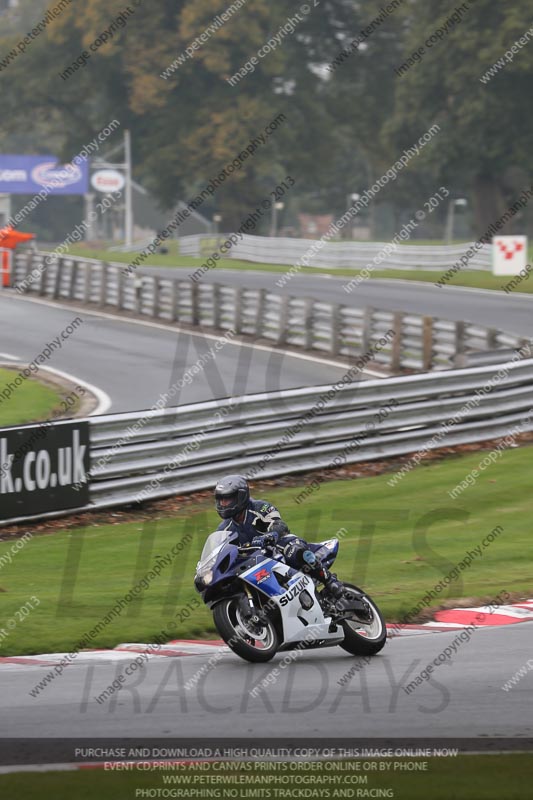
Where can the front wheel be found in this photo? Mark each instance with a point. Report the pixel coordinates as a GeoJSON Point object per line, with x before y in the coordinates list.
{"type": "Point", "coordinates": [253, 642]}
{"type": "Point", "coordinates": [364, 639]}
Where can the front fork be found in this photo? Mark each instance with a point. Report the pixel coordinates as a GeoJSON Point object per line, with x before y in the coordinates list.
{"type": "Point", "coordinates": [247, 607]}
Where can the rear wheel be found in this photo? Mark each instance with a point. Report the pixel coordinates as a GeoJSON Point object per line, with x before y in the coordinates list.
{"type": "Point", "coordinates": [253, 642]}
{"type": "Point", "coordinates": [364, 638]}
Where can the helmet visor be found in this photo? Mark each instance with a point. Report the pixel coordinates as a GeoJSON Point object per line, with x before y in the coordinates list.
{"type": "Point", "coordinates": [227, 502]}
{"type": "Point", "coordinates": [227, 505]}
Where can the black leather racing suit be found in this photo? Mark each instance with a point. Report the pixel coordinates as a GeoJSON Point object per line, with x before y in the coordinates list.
{"type": "Point", "coordinates": [260, 517]}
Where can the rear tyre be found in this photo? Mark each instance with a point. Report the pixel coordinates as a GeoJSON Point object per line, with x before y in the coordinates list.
{"type": "Point", "coordinates": [364, 639]}
{"type": "Point", "coordinates": [255, 643]}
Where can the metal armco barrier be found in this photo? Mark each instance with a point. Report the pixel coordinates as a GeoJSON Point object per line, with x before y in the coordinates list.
{"type": "Point", "coordinates": [419, 342]}
{"type": "Point", "coordinates": [158, 453]}
{"type": "Point", "coordinates": [144, 456]}
{"type": "Point", "coordinates": [335, 255]}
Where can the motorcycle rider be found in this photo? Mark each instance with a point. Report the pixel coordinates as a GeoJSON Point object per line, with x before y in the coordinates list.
{"type": "Point", "coordinates": [258, 524]}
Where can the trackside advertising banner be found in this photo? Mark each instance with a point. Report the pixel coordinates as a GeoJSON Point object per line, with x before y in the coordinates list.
{"type": "Point", "coordinates": [34, 174]}
{"type": "Point", "coordinates": [39, 467]}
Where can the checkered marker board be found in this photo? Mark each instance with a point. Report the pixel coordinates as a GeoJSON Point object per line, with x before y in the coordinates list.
{"type": "Point", "coordinates": [509, 255]}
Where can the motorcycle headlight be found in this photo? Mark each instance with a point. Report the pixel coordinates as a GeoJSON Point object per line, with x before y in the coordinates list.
{"type": "Point", "coordinates": [206, 568]}
{"type": "Point", "coordinates": [207, 577]}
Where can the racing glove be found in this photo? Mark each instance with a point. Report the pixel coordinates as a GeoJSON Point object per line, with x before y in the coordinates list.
{"type": "Point", "coordinates": [266, 540]}
{"type": "Point", "coordinates": [279, 527]}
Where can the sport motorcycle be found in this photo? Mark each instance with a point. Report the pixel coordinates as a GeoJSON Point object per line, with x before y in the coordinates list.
{"type": "Point", "coordinates": [262, 606]}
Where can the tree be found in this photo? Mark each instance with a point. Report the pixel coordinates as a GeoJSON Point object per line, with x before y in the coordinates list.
{"type": "Point", "coordinates": [486, 138]}
{"type": "Point", "coordinates": [344, 127]}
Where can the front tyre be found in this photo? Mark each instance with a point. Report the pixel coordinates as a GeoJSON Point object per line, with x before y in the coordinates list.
{"type": "Point", "coordinates": [364, 639]}
{"type": "Point", "coordinates": [255, 643]}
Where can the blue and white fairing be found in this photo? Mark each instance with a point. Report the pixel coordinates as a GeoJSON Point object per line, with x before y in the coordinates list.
{"type": "Point", "coordinates": [292, 592]}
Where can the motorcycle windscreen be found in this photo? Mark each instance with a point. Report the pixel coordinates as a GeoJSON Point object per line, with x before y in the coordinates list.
{"type": "Point", "coordinates": [214, 541]}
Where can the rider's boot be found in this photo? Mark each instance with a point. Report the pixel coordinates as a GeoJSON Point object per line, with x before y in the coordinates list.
{"type": "Point", "coordinates": [318, 571]}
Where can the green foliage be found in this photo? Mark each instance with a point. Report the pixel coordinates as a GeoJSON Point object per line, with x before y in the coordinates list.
{"type": "Point", "coordinates": [344, 128]}
{"type": "Point", "coordinates": [485, 145]}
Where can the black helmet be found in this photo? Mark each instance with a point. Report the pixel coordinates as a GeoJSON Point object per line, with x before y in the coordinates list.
{"type": "Point", "coordinates": [231, 495]}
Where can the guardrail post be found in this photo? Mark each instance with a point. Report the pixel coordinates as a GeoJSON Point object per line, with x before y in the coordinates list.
{"type": "Point", "coordinates": [25, 259]}
{"type": "Point", "coordinates": [396, 349]}
{"type": "Point", "coordinates": [42, 276]}
{"type": "Point", "coordinates": [57, 279]}
{"type": "Point", "coordinates": [87, 275]}
{"type": "Point", "coordinates": [308, 323]}
{"type": "Point", "coordinates": [155, 290]}
{"type": "Point", "coordinates": [144, 294]}
{"type": "Point", "coordinates": [217, 318]}
{"type": "Point", "coordinates": [283, 319]}
{"type": "Point", "coordinates": [137, 293]}
{"type": "Point", "coordinates": [176, 300]}
{"type": "Point", "coordinates": [73, 277]}
{"type": "Point", "coordinates": [335, 329]}
{"type": "Point", "coordinates": [237, 318]}
{"type": "Point", "coordinates": [492, 339]}
{"type": "Point", "coordinates": [366, 333]}
{"type": "Point", "coordinates": [460, 335]}
{"type": "Point", "coordinates": [103, 285]}
{"type": "Point", "coordinates": [195, 309]}
{"type": "Point", "coordinates": [526, 345]}
{"type": "Point", "coordinates": [120, 288]}
{"type": "Point", "coordinates": [29, 264]}
{"type": "Point", "coordinates": [261, 301]}
{"type": "Point", "coordinates": [427, 343]}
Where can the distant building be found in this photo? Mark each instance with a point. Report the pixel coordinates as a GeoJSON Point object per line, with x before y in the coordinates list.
{"type": "Point", "coordinates": [313, 226]}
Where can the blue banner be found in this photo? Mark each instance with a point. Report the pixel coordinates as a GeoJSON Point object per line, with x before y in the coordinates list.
{"type": "Point", "coordinates": [34, 174]}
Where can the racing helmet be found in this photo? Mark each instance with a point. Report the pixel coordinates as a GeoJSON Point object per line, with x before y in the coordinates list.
{"type": "Point", "coordinates": [232, 495]}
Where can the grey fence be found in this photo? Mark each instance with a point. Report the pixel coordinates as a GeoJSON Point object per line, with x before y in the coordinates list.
{"type": "Point", "coordinates": [332, 255]}
{"type": "Point", "coordinates": [142, 456]}
{"type": "Point", "coordinates": [419, 342]}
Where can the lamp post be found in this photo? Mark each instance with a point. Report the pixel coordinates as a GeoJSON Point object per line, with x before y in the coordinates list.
{"type": "Point", "coordinates": [128, 202]}
{"type": "Point", "coordinates": [217, 218]}
{"type": "Point", "coordinates": [450, 219]}
{"type": "Point", "coordinates": [274, 224]}
{"type": "Point", "coordinates": [352, 198]}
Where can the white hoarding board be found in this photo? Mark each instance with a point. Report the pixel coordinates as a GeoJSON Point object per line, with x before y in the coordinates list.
{"type": "Point", "coordinates": [509, 254]}
{"type": "Point", "coordinates": [108, 180]}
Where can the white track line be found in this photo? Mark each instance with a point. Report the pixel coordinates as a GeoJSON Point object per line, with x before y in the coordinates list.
{"type": "Point", "coordinates": [175, 326]}
{"type": "Point", "coordinates": [104, 401]}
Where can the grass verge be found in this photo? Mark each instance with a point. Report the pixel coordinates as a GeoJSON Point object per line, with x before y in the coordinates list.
{"type": "Point", "coordinates": [32, 401]}
{"type": "Point", "coordinates": [398, 543]}
{"type": "Point", "coordinates": [461, 778]}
